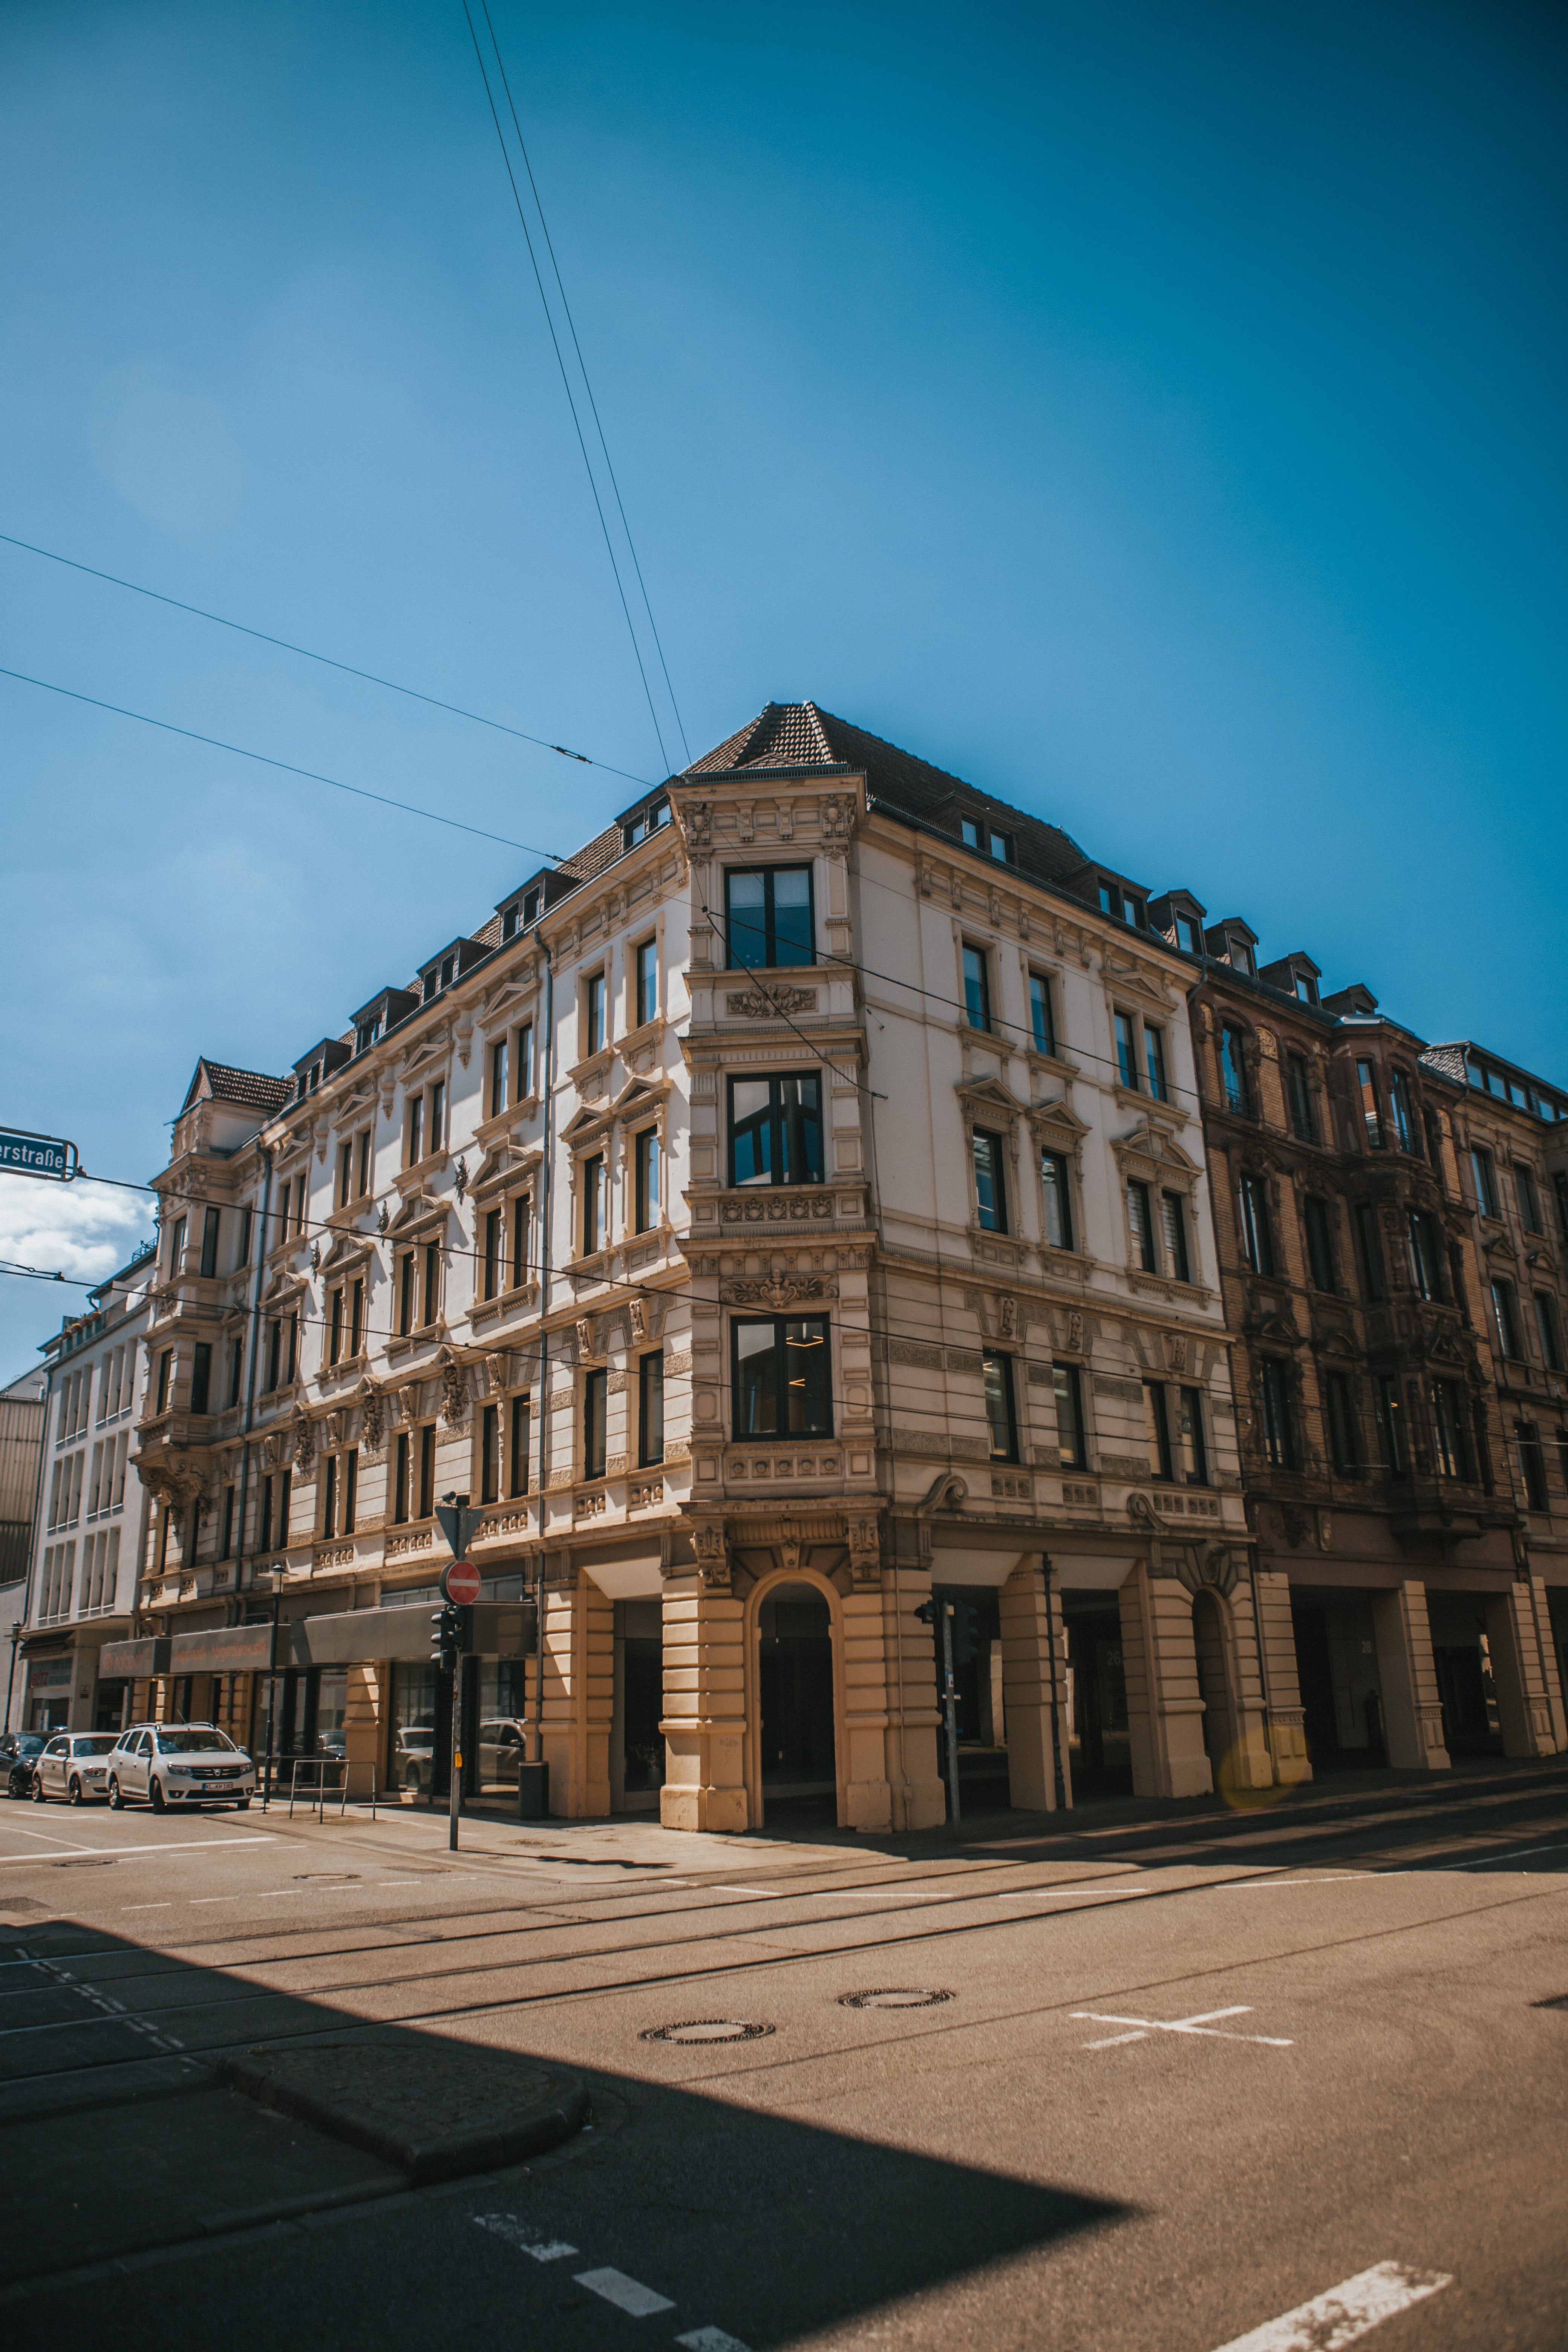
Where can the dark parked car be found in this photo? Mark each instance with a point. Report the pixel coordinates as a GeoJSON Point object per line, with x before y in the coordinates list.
{"type": "Point", "coordinates": [17, 1749]}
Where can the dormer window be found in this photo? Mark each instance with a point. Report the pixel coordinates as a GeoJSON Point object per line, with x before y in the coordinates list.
{"type": "Point", "coordinates": [1187, 935]}
{"type": "Point", "coordinates": [646, 821]}
{"type": "Point", "coordinates": [1124, 906]}
{"type": "Point", "coordinates": [431, 984]}
{"type": "Point", "coordinates": [1306, 988]}
{"type": "Point", "coordinates": [315, 1076]}
{"type": "Point", "coordinates": [449, 966]}
{"type": "Point", "coordinates": [365, 1035]}
{"type": "Point", "coordinates": [1241, 958]}
{"type": "Point", "coordinates": [531, 906]}
{"type": "Point", "coordinates": [987, 840]}
{"type": "Point", "coordinates": [508, 923]}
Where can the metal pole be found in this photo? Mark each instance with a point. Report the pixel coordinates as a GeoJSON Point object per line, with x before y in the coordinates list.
{"type": "Point", "coordinates": [544, 1233]}
{"type": "Point", "coordinates": [455, 1794]}
{"type": "Point", "coordinates": [950, 1703]}
{"type": "Point", "coordinates": [271, 1698]}
{"type": "Point", "coordinates": [1056, 1702]}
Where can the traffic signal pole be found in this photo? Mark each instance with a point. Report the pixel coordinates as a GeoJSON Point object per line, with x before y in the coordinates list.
{"type": "Point", "coordinates": [454, 1633]}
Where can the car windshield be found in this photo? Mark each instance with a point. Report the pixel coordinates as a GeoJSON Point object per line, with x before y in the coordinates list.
{"type": "Point", "coordinates": [98, 1743]}
{"type": "Point", "coordinates": [192, 1742]}
{"type": "Point", "coordinates": [29, 1744]}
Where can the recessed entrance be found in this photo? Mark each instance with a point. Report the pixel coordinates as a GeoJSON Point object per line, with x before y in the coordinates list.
{"type": "Point", "coordinates": [1336, 1672]}
{"type": "Point", "coordinates": [794, 1662]}
{"type": "Point", "coordinates": [1098, 1738]}
{"type": "Point", "coordinates": [1213, 1686]}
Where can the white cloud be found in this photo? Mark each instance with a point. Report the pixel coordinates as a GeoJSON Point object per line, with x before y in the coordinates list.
{"type": "Point", "coordinates": [75, 1229]}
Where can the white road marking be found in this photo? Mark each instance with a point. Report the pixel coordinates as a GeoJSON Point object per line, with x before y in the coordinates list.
{"type": "Point", "coordinates": [1203, 2023]}
{"type": "Point", "coordinates": [1333, 1878]}
{"type": "Point", "coordinates": [758, 1895]}
{"type": "Point", "coordinates": [197, 1899]}
{"type": "Point", "coordinates": [1344, 2312]}
{"type": "Point", "coordinates": [1055, 1894]}
{"type": "Point", "coordinates": [121, 1852]}
{"type": "Point", "coordinates": [146, 1906]}
{"type": "Point", "coordinates": [515, 2232]}
{"type": "Point", "coordinates": [1510, 1854]}
{"type": "Point", "coordinates": [711, 2339]}
{"type": "Point", "coordinates": [627, 2295]}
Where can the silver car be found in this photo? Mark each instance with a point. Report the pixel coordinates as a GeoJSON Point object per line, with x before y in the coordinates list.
{"type": "Point", "coordinates": [74, 1765]}
{"type": "Point", "coordinates": [180, 1764]}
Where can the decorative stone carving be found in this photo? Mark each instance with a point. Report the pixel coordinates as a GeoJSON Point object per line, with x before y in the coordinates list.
{"type": "Point", "coordinates": [637, 1317]}
{"type": "Point", "coordinates": [304, 1445]}
{"type": "Point", "coordinates": [837, 820]}
{"type": "Point", "coordinates": [779, 1291]}
{"type": "Point", "coordinates": [1176, 1351]}
{"type": "Point", "coordinates": [453, 1391]}
{"type": "Point", "coordinates": [864, 1538]}
{"type": "Point", "coordinates": [1007, 1317]}
{"type": "Point", "coordinates": [697, 822]}
{"type": "Point", "coordinates": [382, 1219]}
{"type": "Point", "coordinates": [787, 1208]}
{"type": "Point", "coordinates": [760, 1004]}
{"type": "Point", "coordinates": [712, 1555]}
{"type": "Point", "coordinates": [1075, 1331]}
{"type": "Point", "coordinates": [584, 1336]}
{"type": "Point", "coordinates": [372, 1420]}
{"type": "Point", "coordinates": [496, 1369]}
{"type": "Point", "coordinates": [335, 1421]}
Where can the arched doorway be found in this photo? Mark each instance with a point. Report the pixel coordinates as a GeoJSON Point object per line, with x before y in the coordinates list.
{"type": "Point", "coordinates": [1213, 1686]}
{"type": "Point", "coordinates": [795, 1681]}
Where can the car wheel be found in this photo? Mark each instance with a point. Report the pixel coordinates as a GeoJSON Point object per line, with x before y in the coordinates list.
{"type": "Point", "coordinates": [75, 1790]}
{"type": "Point", "coordinates": [36, 1791]}
{"type": "Point", "coordinates": [116, 1798]}
{"type": "Point", "coordinates": [156, 1793]}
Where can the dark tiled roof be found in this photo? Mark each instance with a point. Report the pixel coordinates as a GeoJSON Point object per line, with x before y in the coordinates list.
{"type": "Point", "coordinates": [254, 1088]}
{"type": "Point", "coordinates": [799, 735]}
{"type": "Point", "coordinates": [601, 851]}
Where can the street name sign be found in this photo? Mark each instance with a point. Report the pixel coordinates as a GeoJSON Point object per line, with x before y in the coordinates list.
{"type": "Point", "coordinates": [22, 1154]}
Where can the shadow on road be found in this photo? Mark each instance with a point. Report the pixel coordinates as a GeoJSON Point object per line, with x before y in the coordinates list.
{"type": "Point", "coordinates": [118, 2137]}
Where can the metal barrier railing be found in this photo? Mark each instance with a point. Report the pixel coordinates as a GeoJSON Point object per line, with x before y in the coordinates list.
{"type": "Point", "coordinates": [317, 1796]}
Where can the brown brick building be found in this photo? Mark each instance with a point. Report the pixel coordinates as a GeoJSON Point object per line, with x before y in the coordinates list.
{"type": "Point", "coordinates": [1393, 1560]}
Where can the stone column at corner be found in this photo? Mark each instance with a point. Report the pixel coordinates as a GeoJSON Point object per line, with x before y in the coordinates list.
{"type": "Point", "coordinates": [704, 1709]}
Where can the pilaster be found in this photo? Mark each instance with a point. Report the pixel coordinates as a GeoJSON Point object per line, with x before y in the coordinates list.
{"type": "Point", "coordinates": [704, 1709]}
{"type": "Point", "coordinates": [1413, 1712]}
{"type": "Point", "coordinates": [1165, 1710]}
{"type": "Point", "coordinates": [1034, 1689]}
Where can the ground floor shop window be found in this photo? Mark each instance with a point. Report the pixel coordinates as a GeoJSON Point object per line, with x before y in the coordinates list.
{"type": "Point", "coordinates": [502, 1715]}
{"type": "Point", "coordinates": [411, 1757]}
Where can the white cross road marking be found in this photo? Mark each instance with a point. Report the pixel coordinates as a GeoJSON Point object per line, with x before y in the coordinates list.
{"type": "Point", "coordinates": [1344, 2312]}
{"type": "Point", "coordinates": [627, 2295]}
{"type": "Point", "coordinates": [121, 1853]}
{"type": "Point", "coordinates": [711, 2339]}
{"type": "Point", "coordinates": [1203, 2023]}
{"type": "Point", "coordinates": [515, 2232]}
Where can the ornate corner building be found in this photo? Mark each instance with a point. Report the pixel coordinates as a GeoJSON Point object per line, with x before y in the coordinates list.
{"type": "Point", "coordinates": [790, 1211]}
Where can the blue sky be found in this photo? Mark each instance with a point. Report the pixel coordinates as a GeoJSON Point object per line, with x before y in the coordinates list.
{"type": "Point", "coordinates": [1152, 414]}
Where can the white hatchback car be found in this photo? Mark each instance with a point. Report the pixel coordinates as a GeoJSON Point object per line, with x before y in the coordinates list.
{"type": "Point", "coordinates": [73, 1765]}
{"type": "Point", "coordinates": [180, 1764]}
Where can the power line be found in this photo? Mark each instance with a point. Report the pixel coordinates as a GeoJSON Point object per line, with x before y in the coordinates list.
{"type": "Point", "coordinates": [752, 971]}
{"type": "Point", "coordinates": [286, 644]}
{"type": "Point", "coordinates": [587, 380]}
{"type": "Point", "coordinates": [263, 759]}
{"type": "Point", "coordinates": [566, 382]}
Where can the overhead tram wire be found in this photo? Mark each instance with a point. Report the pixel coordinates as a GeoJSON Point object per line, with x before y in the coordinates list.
{"type": "Point", "coordinates": [566, 382]}
{"type": "Point", "coordinates": [287, 767]}
{"type": "Point", "coordinates": [286, 644]}
{"type": "Point", "coordinates": [587, 380]}
{"type": "Point", "coordinates": [621, 1286]}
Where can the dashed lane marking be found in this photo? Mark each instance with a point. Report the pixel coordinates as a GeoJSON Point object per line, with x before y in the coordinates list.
{"type": "Point", "coordinates": [1344, 2312]}
{"type": "Point", "coordinates": [627, 2295]}
{"type": "Point", "coordinates": [516, 2234]}
{"type": "Point", "coordinates": [1202, 2024]}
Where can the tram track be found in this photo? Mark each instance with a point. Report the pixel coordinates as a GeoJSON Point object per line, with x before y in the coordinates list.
{"type": "Point", "coordinates": [714, 1970]}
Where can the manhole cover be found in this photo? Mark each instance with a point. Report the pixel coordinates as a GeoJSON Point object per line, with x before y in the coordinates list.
{"type": "Point", "coordinates": [894, 1996]}
{"type": "Point", "coordinates": [706, 2029]}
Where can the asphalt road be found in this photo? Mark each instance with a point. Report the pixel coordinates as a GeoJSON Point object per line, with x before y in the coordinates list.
{"type": "Point", "coordinates": [1188, 2071]}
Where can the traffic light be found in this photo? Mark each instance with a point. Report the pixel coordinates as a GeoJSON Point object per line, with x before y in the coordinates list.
{"type": "Point", "coordinates": [448, 1635]}
{"type": "Point", "coordinates": [926, 1612]}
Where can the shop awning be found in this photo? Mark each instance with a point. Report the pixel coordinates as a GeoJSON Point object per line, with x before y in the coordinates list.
{"type": "Point", "coordinates": [133, 1659]}
{"type": "Point", "coordinates": [224, 1649]}
{"type": "Point", "coordinates": [501, 1629]}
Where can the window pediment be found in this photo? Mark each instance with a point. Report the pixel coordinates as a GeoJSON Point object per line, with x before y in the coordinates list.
{"type": "Point", "coordinates": [1130, 979]}
{"type": "Point", "coordinates": [1057, 1123]}
{"type": "Point", "coordinates": [988, 1098]}
{"type": "Point", "coordinates": [518, 990]}
{"type": "Point", "coordinates": [348, 1253]}
{"type": "Point", "coordinates": [420, 1214]}
{"type": "Point", "coordinates": [284, 1293]}
{"type": "Point", "coordinates": [504, 1165]}
{"type": "Point", "coordinates": [427, 1053]}
{"type": "Point", "coordinates": [1150, 1150]}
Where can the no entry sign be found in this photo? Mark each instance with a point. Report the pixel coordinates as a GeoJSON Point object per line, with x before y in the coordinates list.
{"type": "Point", "coordinates": [460, 1582]}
